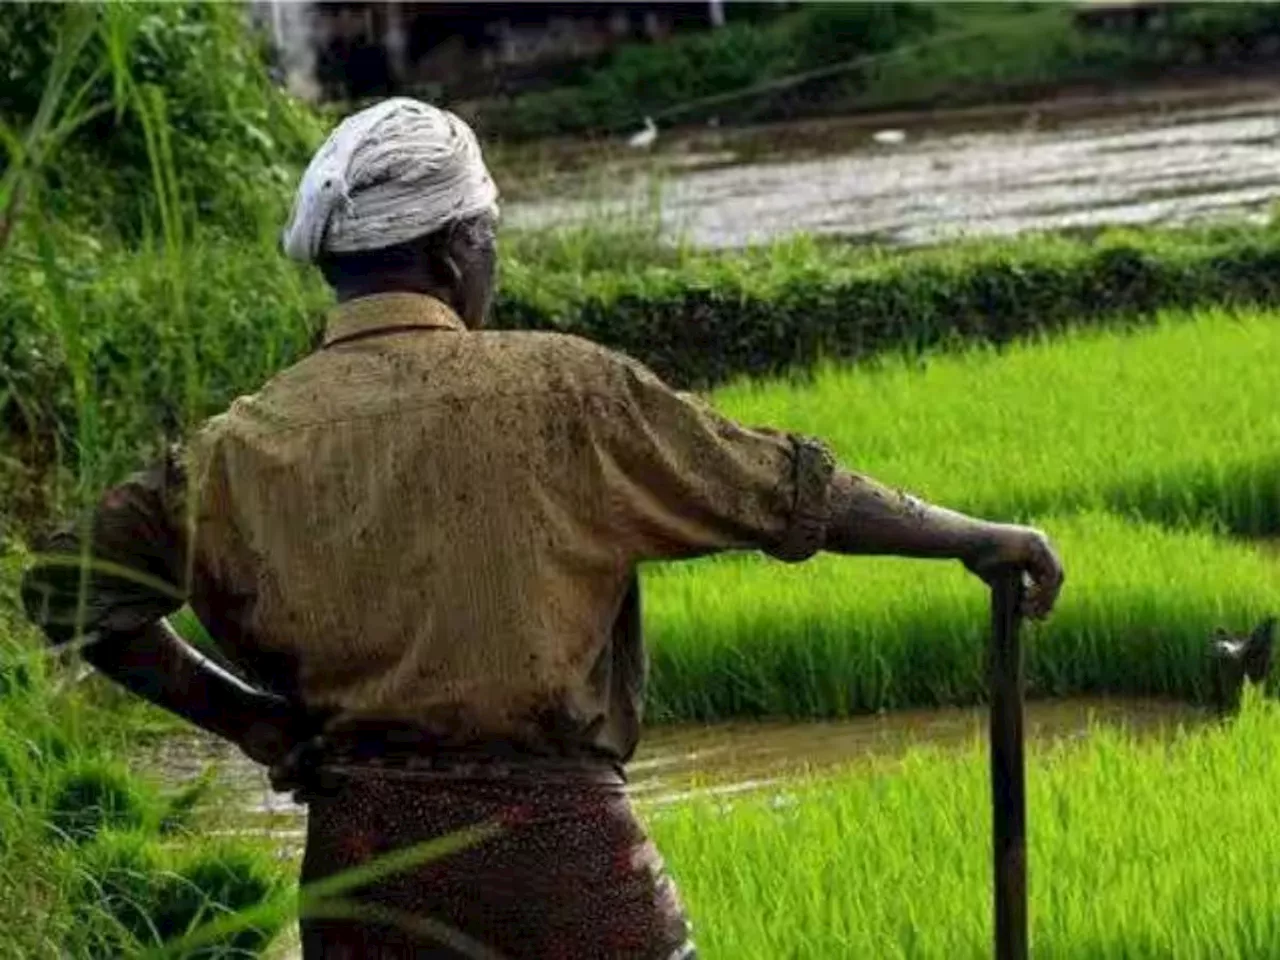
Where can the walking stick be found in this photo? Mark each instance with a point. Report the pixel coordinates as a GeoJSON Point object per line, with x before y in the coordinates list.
{"type": "Point", "coordinates": [1008, 796]}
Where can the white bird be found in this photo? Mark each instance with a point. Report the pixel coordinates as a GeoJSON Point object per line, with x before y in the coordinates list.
{"type": "Point", "coordinates": [888, 137]}
{"type": "Point", "coordinates": [644, 139]}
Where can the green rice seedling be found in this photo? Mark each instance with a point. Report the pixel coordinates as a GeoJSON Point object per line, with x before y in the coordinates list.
{"type": "Point", "coordinates": [128, 894]}
{"type": "Point", "coordinates": [217, 882]}
{"type": "Point", "coordinates": [90, 797]}
{"type": "Point", "coordinates": [744, 636]}
{"type": "Point", "coordinates": [112, 894]}
{"type": "Point", "coordinates": [1173, 423]}
{"type": "Point", "coordinates": [1138, 848]}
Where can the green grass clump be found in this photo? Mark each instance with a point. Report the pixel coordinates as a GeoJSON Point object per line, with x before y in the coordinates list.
{"type": "Point", "coordinates": [90, 797]}
{"type": "Point", "coordinates": [123, 883]}
{"type": "Point", "coordinates": [1174, 423]}
{"type": "Point", "coordinates": [743, 636]}
{"type": "Point", "coordinates": [132, 894]}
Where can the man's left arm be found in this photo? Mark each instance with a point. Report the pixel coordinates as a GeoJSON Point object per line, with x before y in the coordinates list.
{"type": "Point", "coordinates": [108, 583]}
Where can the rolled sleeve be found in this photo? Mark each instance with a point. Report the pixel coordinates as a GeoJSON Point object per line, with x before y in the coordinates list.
{"type": "Point", "coordinates": [121, 569]}
{"type": "Point", "coordinates": [682, 480]}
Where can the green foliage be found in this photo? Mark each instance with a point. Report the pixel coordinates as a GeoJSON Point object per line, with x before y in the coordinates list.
{"type": "Point", "coordinates": [236, 138]}
{"type": "Point", "coordinates": [212, 884]}
{"type": "Point", "coordinates": [143, 92]}
{"type": "Point", "coordinates": [14, 678]}
{"type": "Point", "coordinates": [118, 877]}
{"type": "Point", "coordinates": [1133, 451]}
{"type": "Point", "coordinates": [117, 888]}
{"type": "Point", "coordinates": [249, 312]}
{"type": "Point", "coordinates": [642, 79]}
{"type": "Point", "coordinates": [10, 774]}
{"type": "Point", "coordinates": [825, 33]}
{"type": "Point", "coordinates": [1171, 423]}
{"type": "Point", "coordinates": [791, 304]}
{"type": "Point", "coordinates": [1138, 846]}
{"type": "Point", "coordinates": [1209, 24]}
{"type": "Point", "coordinates": [91, 797]}
{"type": "Point", "coordinates": [150, 896]}
{"type": "Point", "coordinates": [745, 637]}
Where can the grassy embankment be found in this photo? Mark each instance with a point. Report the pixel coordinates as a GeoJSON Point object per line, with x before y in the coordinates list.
{"type": "Point", "coordinates": [94, 861]}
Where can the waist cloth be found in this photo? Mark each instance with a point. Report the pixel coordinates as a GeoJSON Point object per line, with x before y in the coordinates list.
{"type": "Point", "coordinates": [558, 869]}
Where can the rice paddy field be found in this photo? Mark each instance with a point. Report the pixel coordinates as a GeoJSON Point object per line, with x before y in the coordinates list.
{"type": "Point", "coordinates": [142, 297]}
{"type": "Point", "coordinates": [1173, 422]}
{"type": "Point", "coordinates": [1150, 457]}
{"type": "Point", "coordinates": [1129, 449]}
{"type": "Point", "coordinates": [1136, 849]}
{"type": "Point", "coordinates": [1153, 460]}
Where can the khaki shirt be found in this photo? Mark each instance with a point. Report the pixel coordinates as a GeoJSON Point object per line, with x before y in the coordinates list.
{"type": "Point", "coordinates": [428, 525]}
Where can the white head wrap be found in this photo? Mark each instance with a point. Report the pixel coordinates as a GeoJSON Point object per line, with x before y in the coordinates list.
{"type": "Point", "coordinates": [395, 171]}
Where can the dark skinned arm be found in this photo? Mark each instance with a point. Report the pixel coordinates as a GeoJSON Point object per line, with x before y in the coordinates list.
{"type": "Point", "coordinates": [156, 664]}
{"type": "Point", "coordinates": [115, 607]}
{"type": "Point", "coordinates": [711, 484]}
{"type": "Point", "coordinates": [868, 518]}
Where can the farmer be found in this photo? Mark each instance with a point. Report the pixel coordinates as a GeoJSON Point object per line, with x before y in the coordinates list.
{"type": "Point", "coordinates": [419, 546]}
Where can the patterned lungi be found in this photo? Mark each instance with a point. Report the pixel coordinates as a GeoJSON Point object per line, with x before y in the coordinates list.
{"type": "Point", "coordinates": [567, 873]}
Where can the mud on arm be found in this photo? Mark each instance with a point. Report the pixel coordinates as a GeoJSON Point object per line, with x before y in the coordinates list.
{"type": "Point", "coordinates": [866, 517]}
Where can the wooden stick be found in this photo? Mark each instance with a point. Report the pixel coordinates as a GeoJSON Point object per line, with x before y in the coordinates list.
{"type": "Point", "coordinates": [1008, 782]}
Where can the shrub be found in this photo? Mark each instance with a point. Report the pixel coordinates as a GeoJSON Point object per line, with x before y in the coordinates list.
{"type": "Point", "coordinates": [232, 133]}
{"type": "Point", "coordinates": [787, 306]}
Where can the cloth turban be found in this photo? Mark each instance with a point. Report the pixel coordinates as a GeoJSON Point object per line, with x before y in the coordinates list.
{"type": "Point", "coordinates": [395, 171]}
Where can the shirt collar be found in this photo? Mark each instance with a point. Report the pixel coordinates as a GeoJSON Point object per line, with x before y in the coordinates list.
{"type": "Point", "coordinates": [386, 312]}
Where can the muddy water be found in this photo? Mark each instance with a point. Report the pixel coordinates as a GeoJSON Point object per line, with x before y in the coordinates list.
{"type": "Point", "coordinates": [1164, 157]}
{"type": "Point", "coordinates": [679, 762]}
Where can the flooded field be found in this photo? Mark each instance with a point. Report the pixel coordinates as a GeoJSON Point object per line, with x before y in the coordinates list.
{"type": "Point", "coordinates": [1160, 158]}
{"type": "Point", "coordinates": [679, 762]}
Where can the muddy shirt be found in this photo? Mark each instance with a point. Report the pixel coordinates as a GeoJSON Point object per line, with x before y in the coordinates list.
{"type": "Point", "coordinates": [425, 525]}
